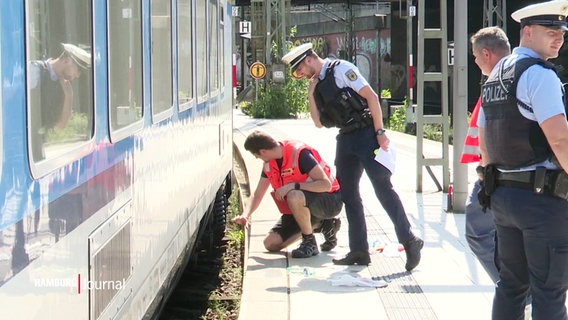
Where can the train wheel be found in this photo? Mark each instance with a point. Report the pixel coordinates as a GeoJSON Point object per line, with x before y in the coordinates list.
{"type": "Point", "coordinates": [214, 229]}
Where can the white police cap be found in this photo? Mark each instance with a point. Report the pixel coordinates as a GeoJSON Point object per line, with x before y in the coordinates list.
{"type": "Point", "coordinates": [551, 14]}
{"type": "Point", "coordinates": [81, 57]}
{"type": "Point", "coordinates": [296, 55]}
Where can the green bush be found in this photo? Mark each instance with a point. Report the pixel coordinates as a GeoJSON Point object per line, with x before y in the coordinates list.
{"type": "Point", "coordinates": [296, 95]}
{"type": "Point", "coordinates": [280, 100]}
{"type": "Point", "coordinates": [270, 103]}
{"type": "Point", "coordinates": [277, 101]}
{"type": "Point", "coordinates": [77, 128]}
{"type": "Point", "coordinates": [397, 121]}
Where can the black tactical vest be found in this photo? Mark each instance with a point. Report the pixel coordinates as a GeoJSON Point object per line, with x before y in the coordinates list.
{"type": "Point", "coordinates": [340, 107]}
{"type": "Point", "coordinates": [512, 140]}
{"type": "Point", "coordinates": [46, 105]}
{"type": "Point", "coordinates": [48, 97]}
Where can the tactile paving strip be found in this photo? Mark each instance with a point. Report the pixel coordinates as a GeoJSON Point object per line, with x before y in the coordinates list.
{"type": "Point", "coordinates": [403, 298]}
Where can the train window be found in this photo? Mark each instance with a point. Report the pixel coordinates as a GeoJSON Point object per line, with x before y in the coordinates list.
{"type": "Point", "coordinates": [185, 54]}
{"type": "Point", "coordinates": [1, 114]}
{"type": "Point", "coordinates": [59, 76]}
{"type": "Point", "coordinates": [201, 49]}
{"type": "Point", "coordinates": [214, 46]}
{"type": "Point", "coordinates": [222, 46]}
{"type": "Point", "coordinates": [125, 62]}
{"type": "Point", "coordinates": [161, 55]}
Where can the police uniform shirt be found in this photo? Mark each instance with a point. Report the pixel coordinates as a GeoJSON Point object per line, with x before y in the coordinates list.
{"type": "Point", "coordinates": [35, 73]}
{"type": "Point", "coordinates": [346, 75]}
{"type": "Point", "coordinates": [538, 87]}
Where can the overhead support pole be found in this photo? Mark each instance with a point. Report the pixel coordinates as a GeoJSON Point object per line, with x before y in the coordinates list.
{"type": "Point", "coordinates": [268, 35]}
{"type": "Point", "coordinates": [349, 31]}
{"type": "Point", "coordinates": [410, 13]}
{"type": "Point", "coordinates": [258, 30]}
{"type": "Point", "coordinates": [284, 22]}
{"type": "Point", "coordinates": [495, 13]}
{"type": "Point", "coordinates": [460, 172]}
{"type": "Point", "coordinates": [275, 26]}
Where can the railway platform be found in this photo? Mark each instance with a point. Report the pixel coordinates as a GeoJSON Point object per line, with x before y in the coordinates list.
{"type": "Point", "coordinates": [449, 283]}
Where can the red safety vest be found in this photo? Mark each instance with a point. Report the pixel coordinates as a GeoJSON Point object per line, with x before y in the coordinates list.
{"type": "Point", "coordinates": [290, 170]}
{"type": "Point", "coordinates": [471, 144]}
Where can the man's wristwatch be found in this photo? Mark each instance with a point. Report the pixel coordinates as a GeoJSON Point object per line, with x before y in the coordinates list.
{"type": "Point", "coordinates": [297, 186]}
{"type": "Point", "coordinates": [380, 132]}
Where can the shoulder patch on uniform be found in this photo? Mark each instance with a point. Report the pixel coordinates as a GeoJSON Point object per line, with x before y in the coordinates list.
{"type": "Point", "coordinates": [351, 75]}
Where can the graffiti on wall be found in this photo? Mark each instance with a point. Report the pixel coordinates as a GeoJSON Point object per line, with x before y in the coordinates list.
{"type": "Point", "coordinates": [372, 56]}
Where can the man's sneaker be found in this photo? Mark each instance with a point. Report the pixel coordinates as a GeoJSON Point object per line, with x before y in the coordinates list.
{"type": "Point", "coordinates": [354, 257]}
{"type": "Point", "coordinates": [308, 247]}
{"type": "Point", "coordinates": [412, 249]}
{"type": "Point", "coordinates": [329, 229]}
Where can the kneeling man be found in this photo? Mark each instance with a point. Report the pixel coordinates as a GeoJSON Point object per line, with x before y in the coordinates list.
{"type": "Point", "coordinates": [305, 191]}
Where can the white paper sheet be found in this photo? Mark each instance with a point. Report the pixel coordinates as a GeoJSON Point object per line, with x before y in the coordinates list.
{"type": "Point", "coordinates": [351, 281]}
{"type": "Point", "coordinates": [387, 158]}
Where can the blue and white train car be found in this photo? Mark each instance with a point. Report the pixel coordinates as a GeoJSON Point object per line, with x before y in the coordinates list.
{"type": "Point", "coordinates": [116, 141]}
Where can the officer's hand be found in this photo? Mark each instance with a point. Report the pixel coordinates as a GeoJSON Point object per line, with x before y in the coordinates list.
{"type": "Point", "coordinates": [483, 198]}
{"type": "Point", "coordinates": [479, 169]}
{"type": "Point", "coordinates": [312, 85]}
{"type": "Point", "coordinates": [383, 141]}
{"type": "Point", "coordinates": [66, 86]}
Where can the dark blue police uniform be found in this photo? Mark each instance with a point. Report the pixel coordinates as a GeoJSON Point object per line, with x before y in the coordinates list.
{"type": "Point", "coordinates": [355, 153]}
{"type": "Point", "coordinates": [340, 105]}
{"type": "Point", "coordinates": [531, 217]}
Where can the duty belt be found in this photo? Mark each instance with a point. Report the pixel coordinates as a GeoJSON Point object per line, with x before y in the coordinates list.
{"type": "Point", "coordinates": [353, 124]}
{"type": "Point", "coordinates": [539, 181]}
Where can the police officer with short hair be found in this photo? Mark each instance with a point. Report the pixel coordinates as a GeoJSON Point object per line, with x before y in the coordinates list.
{"type": "Point", "coordinates": [524, 142]}
{"type": "Point", "coordinates": [488, 45]}
{"type": "Point", "coordinates": [340, 97]}
{"type": "Point", "coordinates": [305, 190]}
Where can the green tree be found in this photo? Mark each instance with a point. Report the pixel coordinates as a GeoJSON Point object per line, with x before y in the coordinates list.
{"type": "Point", "coordinates": [280, 100]}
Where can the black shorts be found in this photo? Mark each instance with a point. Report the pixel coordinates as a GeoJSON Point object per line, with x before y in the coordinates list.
{"type": "Point", "coordinates": [322, 206]}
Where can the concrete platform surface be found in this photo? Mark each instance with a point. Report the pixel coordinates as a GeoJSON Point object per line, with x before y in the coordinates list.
{"type": "Point", "coordinates": [448, 284]}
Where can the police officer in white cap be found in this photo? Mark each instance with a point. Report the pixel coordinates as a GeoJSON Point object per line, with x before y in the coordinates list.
{"type": "Point", "coordinates": [51, 91]}
{"type": "Point", "coordinates": [524, 143]}
{"type": "Point", "coordinates": [79, 55]}
{"type": "Point", "coordinates": [340, 97]}
{"type": "Point", "coordinates": [296, 56]}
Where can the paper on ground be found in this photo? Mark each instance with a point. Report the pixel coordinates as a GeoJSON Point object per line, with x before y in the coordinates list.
{"type": "Point", "coordinates": [347, 280]}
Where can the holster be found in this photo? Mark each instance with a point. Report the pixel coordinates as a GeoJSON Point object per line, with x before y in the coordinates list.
{"type": "Point", "coordinates": [353, 124]}
{"type": "Point", "coordinates": [559, 185]}
{"type": "Point", "coordinates": [490, 179]}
